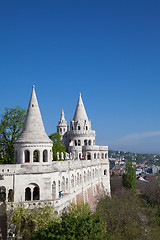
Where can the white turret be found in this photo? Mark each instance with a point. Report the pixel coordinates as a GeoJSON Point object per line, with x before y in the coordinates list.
{"type": "Point", "coordinates": [62, 126]}
{"type": "Point", "coordinates": [33, 144]}
{"type": "Point", "coordinates": [80, 133]}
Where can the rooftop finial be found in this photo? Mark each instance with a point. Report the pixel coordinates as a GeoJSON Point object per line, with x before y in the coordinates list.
{"type": "Point", "coordinates": [33, 86]}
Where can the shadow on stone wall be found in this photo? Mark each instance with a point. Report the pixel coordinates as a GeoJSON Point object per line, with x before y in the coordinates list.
{"type": "Point", "coordinates": [3, 224]}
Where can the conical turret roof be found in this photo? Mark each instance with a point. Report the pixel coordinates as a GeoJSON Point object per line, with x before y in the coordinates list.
{"type": "Point", "coordinates": [80, 113]}
{"type": "Point", "coordinates": [33, 129]}
{"type": "Point", "coordinates": [62, 120]}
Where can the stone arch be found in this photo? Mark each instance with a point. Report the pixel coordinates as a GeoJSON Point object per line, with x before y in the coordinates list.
{"type": "Point", "coordinates": [36, 193]}
{"type": "Point", "coordinates": [63, 184]}
{"type": "Point", "coordinates": [59, 186]}
{"type": "Point", "coordinates": [36, 156]}
{"type": "Point", "coordinates": [77, 178]}
{"type": "Point", "coordinates": [45, 156]}
{"type": "Point", "coordinates": [67, 184]}
{"type": "Point", "coordinates": [26, 156]}
{"type": "Point", "coordinates": [10, 195]}
{"type": "Point", "coordinates": [28, 194]}
{"type": "Point", "coordinates": [84, 176]}
{"type": "Point", "coordinates": [93, 173]}
{"type": "Point", "coordinates": [2, 194]}
{"type": "Point", "coordinates": [54, 190]}
{"type": "Point", "coordinates": [88, 156]}
{"type": "Point", "coordinates": [80, 178]}
{"type": "Point", "coordinates": [88, 175]}
{"type": "Point", "coordinates": [72, 181]}
{"type": "Point", "coordinates": [75, 181]}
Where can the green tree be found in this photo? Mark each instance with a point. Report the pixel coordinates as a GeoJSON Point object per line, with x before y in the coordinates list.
{"type": "Point", "coordinates": [129, 177]}
{"type": "Point", "coordinates": [78, 224]}
{"type": "Point", "coordinates": [57, 145]}
{"type": "Point", "coordinates": [28, 220]}
{"type": "Point", "coordinates": [11, 124]}
{"type": "Point", "coordinates": [128, 216]}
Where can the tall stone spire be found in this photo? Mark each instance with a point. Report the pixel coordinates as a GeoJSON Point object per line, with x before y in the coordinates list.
{"type": "Point", "coordinates": [62, 126]}
{"type": "Point", "coordinates": [33, 130]}
{"type": "Point", "coordinates": [62, 119]}
{"type": "Point", "coordinates": [80, 113]}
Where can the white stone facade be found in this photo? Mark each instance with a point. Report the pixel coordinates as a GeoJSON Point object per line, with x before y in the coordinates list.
{"type": "Point", "coordinates": [35, 178]}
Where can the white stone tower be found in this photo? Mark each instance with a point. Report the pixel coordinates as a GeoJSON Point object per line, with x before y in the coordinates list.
{"type": "Point", "coordinates": [33, 145]}
{"type": "Point", "coordinates": [62, 128]}
{"type": "Point", "coordinates": [80, 133]}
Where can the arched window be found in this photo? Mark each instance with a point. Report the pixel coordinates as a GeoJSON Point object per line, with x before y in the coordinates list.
{"type": "Point", "coordinates": [63, 184]}
{"type": "Point", "coordinates": [27, 194]}
{"type": "Point", "coordinates": [45, 156]}
{"type": "Point", "coordinates": [77, 178]}
{"type": "Point", "coordinates": [79, 128]}
{"type": "Point", "coordinates": [105, 172]}
{"type": "Point", "coordinates": [72, 128]}
{"type": "Point", "coordinates": [94, 155]}
{"type": "Point", "coordinates": [106, 156]}
{"type": "Point", "coordinates": [88, 156]}
{"type": "Point", "coordinates": [80, 179]}
{"type": "Point", "coordinates": [84, 176]}
{"type": "Point", "coordinates": [75, 142]}
{"type": "Point", "coordinates": [54, 190]}
{"type": "Point", "coordinates": [93, 173]}
{"type": "Point", "coordinates": [26, 156]}
{"type": "Point", "coordinates": [88, 175]}
{"type": "Point", "coordinates": [36, 156]}
{"type": "Point", "coordinates": [10, 195]}
{"type": "Point", "coordinates": [72, 181]}
{"type": "Point", "coordinates": [67, 184]}
{"type": "Point", "coordinates": [85, 142]}
{"type": "Point", "coordinates": [79, 142]}
{"type": "Point", "coordinates": [36, 193]}
{"type": "Point", "coordinates": [102, 155]}
{"type": "Point", "coordinates": [2, 194]}
{"type": "Point", "coordinates": [59, 186]}
{"type": "Point", "coordinates": [89, 142]}
{"type": "Point", "coordinates": [86, 127]}
{"type": "Point", "coordinates": [98, 156]}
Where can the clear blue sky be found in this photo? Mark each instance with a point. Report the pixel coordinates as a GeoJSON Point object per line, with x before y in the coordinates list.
{"type": "Point", "coordinates": [107, 50]}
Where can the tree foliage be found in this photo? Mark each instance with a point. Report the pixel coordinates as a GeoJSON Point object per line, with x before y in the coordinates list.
{"type": "Point", "coordinates": [57, 145]}
{"type": "Point", "coordinates": [78, 224]}
{"type": "Point", "coordinates": [129, 177]}
{"type": "Point", "coordinates": [128, 216]}
{"type": "Point", "coordinates": [28, 220]}
{"type": "Point", "coordinates": [11, 124]}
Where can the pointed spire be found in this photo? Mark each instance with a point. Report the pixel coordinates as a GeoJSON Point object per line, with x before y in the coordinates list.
{"type": "Point", "coordinates": [62, 116]}
{"type": "Point", "coordinates": [80, 113]}
{"type": "Point", "coordinates": [33, 129]}
{"type": "Point", "coordinates": [62, 120]}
